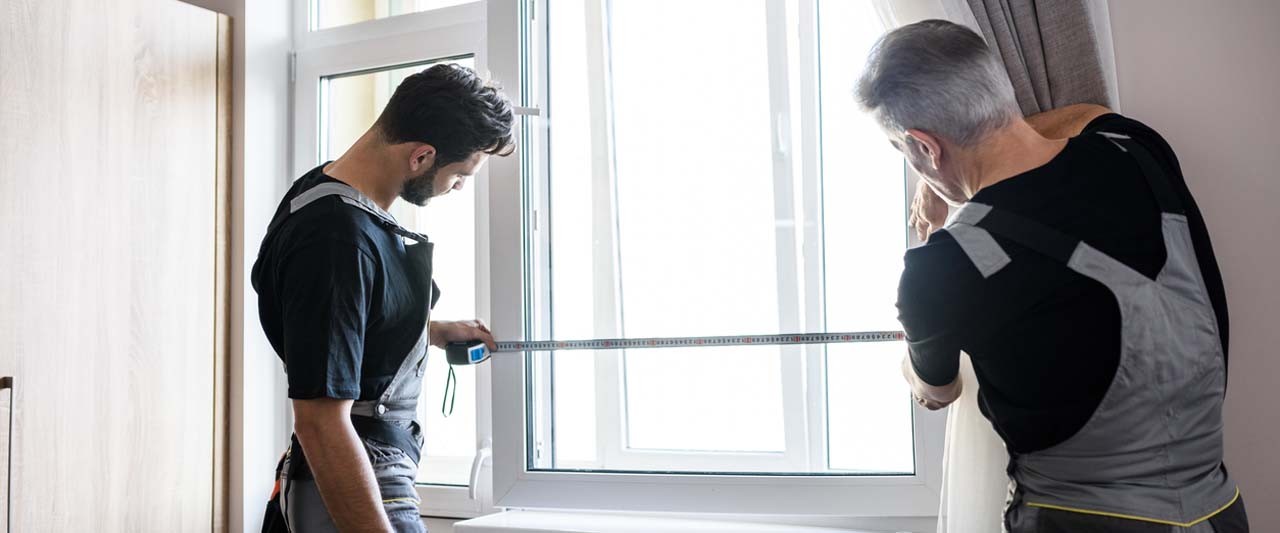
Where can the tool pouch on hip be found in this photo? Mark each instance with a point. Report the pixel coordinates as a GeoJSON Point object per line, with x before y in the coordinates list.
{"type": "Point", "coordinates": [273, 518]}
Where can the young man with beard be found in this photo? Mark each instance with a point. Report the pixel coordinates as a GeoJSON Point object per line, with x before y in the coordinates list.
{"type": "Point", "coordinates": [345, 294]}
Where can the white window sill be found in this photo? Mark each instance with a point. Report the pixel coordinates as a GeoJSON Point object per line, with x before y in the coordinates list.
{"type": "Point", "coordinates": [565, 522]}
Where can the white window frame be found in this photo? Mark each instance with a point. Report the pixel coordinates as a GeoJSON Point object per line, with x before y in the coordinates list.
{"type": "Point", "coordinates": [454, 31]}
{"type": "Point", "coordinates": [516, 208]}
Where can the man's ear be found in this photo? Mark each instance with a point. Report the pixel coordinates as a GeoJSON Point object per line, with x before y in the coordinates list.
{"type": "Point", "coordinates": [929, 147]}
{"type": "Point", "coordinates": [421, 158]}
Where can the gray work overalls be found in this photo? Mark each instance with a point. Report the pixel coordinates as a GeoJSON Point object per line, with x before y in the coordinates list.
{"type": "Point", "coordinates": [387, 426]}
{"type": "Point", "coordinates": [1150, 457]}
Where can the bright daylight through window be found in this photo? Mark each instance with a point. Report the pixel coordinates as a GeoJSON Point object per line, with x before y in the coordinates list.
{"type": "Point", "coordinates": [707, 173]}
{"type": "Point", "coordinates": [350, 103]}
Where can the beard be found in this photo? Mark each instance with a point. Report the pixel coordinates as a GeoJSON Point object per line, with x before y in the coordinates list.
{"type": "Point", "coordinates": [419, 189]}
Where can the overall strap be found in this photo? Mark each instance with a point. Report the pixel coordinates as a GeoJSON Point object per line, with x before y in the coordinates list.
{"type": "Point", "coordinates": [1030, 234]}
{"type": "Point", "coordinates": [356, 199]}
{"type": "Point", "coordinates": [1054, 243]}
{"type": "Point", "coordinates": [1024, 231]}
{"type": "Point", "coordinates": [1166, 198]}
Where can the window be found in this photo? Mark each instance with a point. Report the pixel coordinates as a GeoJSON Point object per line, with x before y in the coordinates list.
{"type": "Point", "coordinates": [699, 167]}
{"type": "Point", "coordinates": [342, 82]}
{"type": "Point", "coordinates": [691, 167]}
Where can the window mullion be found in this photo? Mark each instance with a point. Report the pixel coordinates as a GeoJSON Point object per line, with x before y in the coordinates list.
{"type": "Point", "coordinates": [606, 275]}
{"type": "Point", "coordinates": [786, 234]}
{"type": "Point", "coordinates": [810, 154]}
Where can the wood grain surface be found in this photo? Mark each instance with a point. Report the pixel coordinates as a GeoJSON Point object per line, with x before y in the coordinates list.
{"type": "Point", "coordinates": [110, 157]}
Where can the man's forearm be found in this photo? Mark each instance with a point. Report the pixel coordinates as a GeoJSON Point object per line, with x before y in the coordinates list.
{"type": "Point", "coordinates": [932, 397]}
{"type": "Point", "coordinates": [343, 475]}
{"type": "Point", "coordinates": [1065, 122]}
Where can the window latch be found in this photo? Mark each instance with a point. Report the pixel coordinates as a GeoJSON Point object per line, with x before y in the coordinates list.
{"type": "Point", "coordinates": [483, 455]}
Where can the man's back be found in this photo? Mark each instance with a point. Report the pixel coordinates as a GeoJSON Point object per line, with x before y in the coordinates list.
{"type": "Point", "coordinates": [1045, 340]}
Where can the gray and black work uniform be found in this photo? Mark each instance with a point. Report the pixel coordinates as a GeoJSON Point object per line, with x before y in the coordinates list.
{"type": "Point", "coordinates": [344, 300]}
{"type": "Point", "coordinates": [1087, 295]}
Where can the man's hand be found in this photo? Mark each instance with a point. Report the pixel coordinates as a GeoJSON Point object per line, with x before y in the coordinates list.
{"type": "Point", "coordinates": [928, 211]}
{"type": "Point", "coordinates": [340, 465]}
{"type": "Point", "coordinates": [444, 332]}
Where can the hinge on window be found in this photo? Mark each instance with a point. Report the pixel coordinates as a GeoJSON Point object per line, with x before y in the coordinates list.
{"type": "Point", "coordinates": [533, 9]}
{"type": "Point", "coordinates": [293, 67]}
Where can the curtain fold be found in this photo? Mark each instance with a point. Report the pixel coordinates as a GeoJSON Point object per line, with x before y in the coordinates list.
{"type": "Point", "coordinates": [1049, 48]}
{"type": "Point", "coordinates": [974, 482]}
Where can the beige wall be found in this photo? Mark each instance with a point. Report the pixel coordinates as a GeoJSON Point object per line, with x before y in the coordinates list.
{"type": "Point", "coordinates": [1205, 74]}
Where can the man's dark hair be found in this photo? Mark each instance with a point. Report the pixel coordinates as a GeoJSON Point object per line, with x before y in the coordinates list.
{"type": "Point", "coordinates": [451, 108]}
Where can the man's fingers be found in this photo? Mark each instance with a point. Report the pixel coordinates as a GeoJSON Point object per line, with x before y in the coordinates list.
{"type": "Point", "coordinates": [922, 228]}
{"type": "Point", "coordinates": [488, 340]}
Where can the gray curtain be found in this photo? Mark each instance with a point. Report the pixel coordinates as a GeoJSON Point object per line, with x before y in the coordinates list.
{"type": "Point", "coordinates": [1048, 47]}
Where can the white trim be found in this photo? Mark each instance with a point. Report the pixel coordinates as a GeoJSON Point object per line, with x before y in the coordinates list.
{"type": "Point", "coordinates": [506, 269]}
{"type": "Point", "coordinates": [811, 246]}
{"type": "Point", "coordinates": [372, 30]}
{"type": "Point", "coordinates": [791, 296]}
{"type": "Point", "coordinates": [315, 64]}
{"type": "Point", "coordinates": [561, 522]}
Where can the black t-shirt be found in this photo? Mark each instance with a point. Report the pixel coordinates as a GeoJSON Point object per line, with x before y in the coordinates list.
{"type": "Point", "coordinates": [1045, 340]}
{"type": "Point", "coordinates": [335, 297]}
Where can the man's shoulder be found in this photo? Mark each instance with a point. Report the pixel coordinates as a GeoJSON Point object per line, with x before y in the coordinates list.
{"type": "Point", "coordinates": [938, 268]}
{"type": "Point", "coordinates": [940, 255]}
{"type": "Point", "coordinates": [328, 221]}
{"type": "Point", "coordinates": [1115, 123]}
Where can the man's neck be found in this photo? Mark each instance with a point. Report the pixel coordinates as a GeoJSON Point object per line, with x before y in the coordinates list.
{"type": "Point", "coordinates": [369, 171]}
{"type": "Point", "coordinates": [1006, 153]}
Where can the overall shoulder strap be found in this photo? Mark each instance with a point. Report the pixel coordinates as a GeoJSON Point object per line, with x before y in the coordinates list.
{"type": "Point", "coordinates": [1024, 231]}
{"type": "Point", "coordinates": [1166, 198]}
{"type": "Point", "coordinates": [354, 198]}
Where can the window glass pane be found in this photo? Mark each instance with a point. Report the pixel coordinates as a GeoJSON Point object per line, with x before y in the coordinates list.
{"type": "Point", "coordinates": [330, 13]}
{"type": "Point", "coordinates": [676, 209]}
{"type": "Point", "coordinates": [676, 239]}
{"type": "Point", "coordinates": [705, 399]}
{"type": "Point", "coordinates": [350, 104]}
{"type": "Point", "coordinates": [864, 202]}
{"type": "Point", "coordinates": [868, 409]}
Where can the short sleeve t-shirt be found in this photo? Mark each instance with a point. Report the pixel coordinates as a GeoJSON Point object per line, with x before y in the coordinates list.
{"type": "Point", "coordinates": [1045, 340]}
{"type": "Point", "coordinates": [336, 297]}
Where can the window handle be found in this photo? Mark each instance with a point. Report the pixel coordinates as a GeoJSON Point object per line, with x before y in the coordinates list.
{"type": "Point", "coordinates": [6, 383]}
{"type": "Point", "coordinates": [483, 455]}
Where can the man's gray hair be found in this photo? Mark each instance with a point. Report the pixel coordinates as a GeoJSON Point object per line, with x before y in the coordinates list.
{"type": "Point", "coordinates": [939, 77]}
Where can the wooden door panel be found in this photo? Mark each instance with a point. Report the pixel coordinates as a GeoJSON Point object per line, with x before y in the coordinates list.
{"type": "Point", "coordinates": [109, 146]}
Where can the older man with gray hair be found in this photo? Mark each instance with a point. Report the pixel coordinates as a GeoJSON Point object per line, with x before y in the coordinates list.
{"type": "Point", "coordinates": [1078, 275]}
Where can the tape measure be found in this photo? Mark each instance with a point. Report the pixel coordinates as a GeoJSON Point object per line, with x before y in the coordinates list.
{"type": "Point", "coordinates": [471, 353]}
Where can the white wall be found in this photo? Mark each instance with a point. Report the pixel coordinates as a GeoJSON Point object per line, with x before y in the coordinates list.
{"type": "Point", "coordinates": [260, 152]}
{"type": "Point", "coordinates": [1205, 75]}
